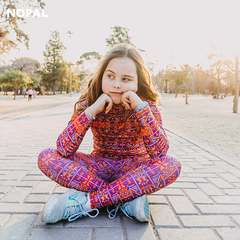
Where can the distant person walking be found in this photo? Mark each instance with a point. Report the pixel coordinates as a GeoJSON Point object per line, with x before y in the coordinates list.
{"type": "Point", "coordinates": [30, 93]}
{"type": "Point", "coordinates": [34, 93]}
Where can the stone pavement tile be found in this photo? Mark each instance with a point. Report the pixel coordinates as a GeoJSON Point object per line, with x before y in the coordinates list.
{"type": "Point", "coordinates": [40, 224]}
{"type": "Point", "coordinates": [17, 227]}
{"type": "Point", "coordinates": [187, 234]}
{"type": "Point", "coordinates": [56, 233]}
{"type": "Point", "coordinates": [229, 233]}
{"type": "Point", "coordinates": [158, 199]}
{"type": "Point", "coordinates": [219, 209]}
{"type": "Point", "coordinates": [101, 221]}
{"type": "Point", "coordinates": [15, 175]}
{"type": "Point", "coordinates": [18, 183]}
{"type": "Point", "coordinates": [203, 161]}
{"type": "Point", "coordinates": [3, 174]}
{"type": "Point", "coordinates": [169, 192]}
{"type": "Point", "coordinates": [4, 189]}
{"type": "Point", "coordinates": [237, 184]}
{"type": "Point", "coordinates": [37, 198]}
{"type": "Point", "coordinates": [230, 177]}
{"type": "Point", "coordinates": [234, 171]}
{"type": "Point", "coordinates": [107, 234]}
{"type": "Point", "coordinates": [15, 163]}
{"type": "Point", "coordinates": [186, 168]}
{"type": "Point", "coordinates": [20, 208]}
{"type": "Point", "coordinates": [35, 171]}
{"type": "Point", "coordinates": [180, 185]}
{"type": "Point", "coordinates": [35, 178]}
{"type": "Point", "coordinates": [202, 175]}
{"type": "Point", "coordinates": [209, 169]}
{"type": "Point", "coordinates": [3, 219]}
{"type": "Point", "coordinates": [206, 221]}
{"type": "Point", "coordinates": [210, 189]}
{"type": "Point", "coordinates": [227, 199]}
{"type": "Point", "coordinates": [44, 187]}
{"type": "Point", "coordinates": [210, 156]}
{"type": "Point", "coordinates": [236, 218]}
{"type": "Point", "coordinates": [198, 196]}
{"type": "Point", "coordinates": [192, 179]}
{"type": "Point", "coordinates": [16, 194]}
{"type": "Point", "coordinates": [234, 192]}
{"type": "Point", "coordinates": [182, 205]}
{"type": "Point", "coordinates": [163, 216]}
{"type": "Point", "coordinates": [60, 190]}
{"type": "Point", "coordinates": [196, 165]}
{"type": "Point", "coordinates": [221, 183]}
{"type": "Point", "coordinates": [137, 230]}
{"type": "Point", "coordinates": [185, 159]}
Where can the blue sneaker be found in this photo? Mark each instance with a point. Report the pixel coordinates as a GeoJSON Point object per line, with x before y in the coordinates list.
{"type": "Point", "coordinates": [137, 208]}
{"type": "Point", "coordinates": [70, 205]}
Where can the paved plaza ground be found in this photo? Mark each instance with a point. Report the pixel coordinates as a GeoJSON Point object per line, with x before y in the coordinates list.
{"type": "Point", "coordinates": [204, 202]}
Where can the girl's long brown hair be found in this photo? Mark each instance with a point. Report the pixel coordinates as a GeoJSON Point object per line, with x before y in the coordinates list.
{"type": "Point", "coordinates": [94, 87]}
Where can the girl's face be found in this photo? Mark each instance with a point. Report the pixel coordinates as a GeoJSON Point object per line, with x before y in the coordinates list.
{"type": "Point", "coordinates": [119, 77]}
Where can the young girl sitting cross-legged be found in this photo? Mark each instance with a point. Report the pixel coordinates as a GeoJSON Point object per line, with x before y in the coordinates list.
{"type": "Point", "coordinates": [129, 158]}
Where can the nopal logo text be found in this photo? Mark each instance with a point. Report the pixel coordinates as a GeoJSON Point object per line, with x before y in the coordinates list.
{"type": "Point", "coordinates": [26, 12]}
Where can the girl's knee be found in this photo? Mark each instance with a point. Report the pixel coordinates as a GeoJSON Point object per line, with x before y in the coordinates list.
{"type": "Point", "coordinates": [44, 157]}
{"type": "Point", "coordinates": [173, 161]}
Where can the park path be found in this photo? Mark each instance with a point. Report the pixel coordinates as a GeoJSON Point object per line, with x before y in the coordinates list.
{"type": "Point", "coordinates": [204, 202]}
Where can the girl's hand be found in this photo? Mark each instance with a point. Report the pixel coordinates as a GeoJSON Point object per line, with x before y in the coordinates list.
{"type": "Point", "coordinates": [131, 100]}
{"type": "Point", "coordinates": [103, 103]}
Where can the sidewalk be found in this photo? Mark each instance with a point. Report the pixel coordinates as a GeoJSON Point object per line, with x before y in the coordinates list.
{"type": "Point", "coordinates": [204, 202]}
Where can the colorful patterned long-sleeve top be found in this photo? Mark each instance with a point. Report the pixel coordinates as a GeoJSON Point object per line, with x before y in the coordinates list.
{"type": "Point", "coordinates": [118, 134]}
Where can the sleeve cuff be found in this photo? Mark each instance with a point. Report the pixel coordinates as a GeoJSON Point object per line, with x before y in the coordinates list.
{"type": "Point", "coordinates": [142, 105]}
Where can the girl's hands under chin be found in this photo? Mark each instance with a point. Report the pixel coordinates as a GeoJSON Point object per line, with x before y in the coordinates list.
{"type": "Point", "coordinates": [131, 100]}
{"type": "Point", "coordinates": [103, 103]}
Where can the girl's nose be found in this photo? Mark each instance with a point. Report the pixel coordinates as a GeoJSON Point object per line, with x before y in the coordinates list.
{"type": "Point", "coordinates": [117, 84]}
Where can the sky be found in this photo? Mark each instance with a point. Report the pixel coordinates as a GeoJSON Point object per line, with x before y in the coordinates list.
{"type": "Point", "coordinates": [185, 29]}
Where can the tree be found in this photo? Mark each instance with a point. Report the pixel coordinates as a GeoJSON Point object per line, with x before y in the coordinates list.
{"type": "Point", "coordinates": [5, 44]}
{"type": "Point", "coordinates": [10, 24]}
{"type": "Point", "coordinates": [16, 79]}
{"type": "Point", "coordinates": [26, 65]}
{"type": "Point", "coordinates": [120, 35]}
{"type": "Point", "coordinates": [29, 66]}
{"type": "Point", "coordinates": [217, 66]}
{"type": "Point", "coordinates": [89, 57]}
{"type": "Point", "coordinates": [54, 67]}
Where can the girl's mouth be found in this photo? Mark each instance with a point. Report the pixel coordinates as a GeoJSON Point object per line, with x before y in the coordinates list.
{"type": "Point", "coordinates": [116, 93]}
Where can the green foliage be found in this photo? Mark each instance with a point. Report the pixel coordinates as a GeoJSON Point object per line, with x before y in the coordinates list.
{"type": "Point", "coordinates": [54, 68]}
{"type": "Point", "coordinates": [15, 78]}
{"type": "Point", "coordinates": [120, 35]}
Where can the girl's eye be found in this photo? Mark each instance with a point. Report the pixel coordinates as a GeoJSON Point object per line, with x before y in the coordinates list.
{"type": "Point", "coordinates": [110, 76]}
{"type": "Point", "coordinates": [126, 79]}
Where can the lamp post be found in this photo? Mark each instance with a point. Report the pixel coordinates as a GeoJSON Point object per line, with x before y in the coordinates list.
{"type": "Point", "coordinates": [70, 75]}
{"type": "Point", "coordinates": [70, 89]}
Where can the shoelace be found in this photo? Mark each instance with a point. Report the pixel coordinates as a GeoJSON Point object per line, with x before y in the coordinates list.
{"type": "Point", "coordinates": [77, 211]}
{"type": "Point", "coordinates": [113, 213]}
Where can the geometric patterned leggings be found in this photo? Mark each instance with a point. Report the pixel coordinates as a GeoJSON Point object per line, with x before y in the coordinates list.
{"type": "Point", "coordinates": [109, 181]}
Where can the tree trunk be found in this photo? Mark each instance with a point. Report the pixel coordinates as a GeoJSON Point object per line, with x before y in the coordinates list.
{"type": "Point", "coordinates": [166, 89]}
{"type": "Point", "coordinates": [54, 83]}
{"type": "Point", "coordinates": [235, 100]}
{"type": "Point", "coordinates": [186, 97]}
{"type": "Point", "coordinates": [15, 93]}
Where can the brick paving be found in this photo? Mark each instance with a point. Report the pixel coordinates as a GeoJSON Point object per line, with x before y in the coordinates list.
{"type": "Point", "coordinates": [204, 202]}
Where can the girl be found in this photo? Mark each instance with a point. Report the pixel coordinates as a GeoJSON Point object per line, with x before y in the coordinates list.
{"type": "Point", "coordinates": [129, 158]}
